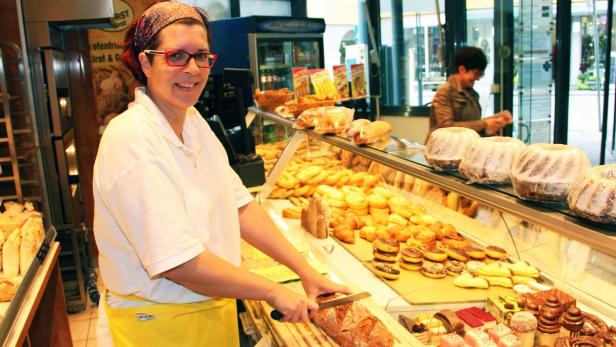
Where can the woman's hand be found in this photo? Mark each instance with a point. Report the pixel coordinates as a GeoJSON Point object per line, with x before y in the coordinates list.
{"type": "Point", "coordinates": [293, 306]}
{"type": "Point", "coordinates": [315, 284]}
{"type": "Point", "coordinates": [494, 125]}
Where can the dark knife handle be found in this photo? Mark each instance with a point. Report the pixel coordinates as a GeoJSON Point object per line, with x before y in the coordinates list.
{"type": "Point", "coordinates": [276, 315]}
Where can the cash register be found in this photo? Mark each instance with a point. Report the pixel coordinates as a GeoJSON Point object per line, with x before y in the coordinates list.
{"type": "Point", "coordinates": [223, 106]}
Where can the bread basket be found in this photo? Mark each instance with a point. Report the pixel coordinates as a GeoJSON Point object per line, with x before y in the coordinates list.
{"type": "Point", "coordinates": [270, 99]}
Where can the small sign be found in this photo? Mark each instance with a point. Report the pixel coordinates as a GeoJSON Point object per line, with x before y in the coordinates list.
{"type": "Point", "coordinates": [341, 81]}
{"type": "Point", "coordinates": [301, 81]}
{"type": "Point", "coordinates": [358, 80]}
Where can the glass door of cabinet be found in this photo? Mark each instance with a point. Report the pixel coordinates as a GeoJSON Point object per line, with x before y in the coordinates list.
{"type": "Point", "coordinates": [277, 54]}
{"type": "Point", "coordinates": [275, 62]}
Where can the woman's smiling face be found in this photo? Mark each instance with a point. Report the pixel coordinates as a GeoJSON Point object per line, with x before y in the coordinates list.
{"type": "Point", "coordinates": [176, 88]}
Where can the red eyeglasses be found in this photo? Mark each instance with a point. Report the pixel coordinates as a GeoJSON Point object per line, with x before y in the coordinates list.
{"type": "Point", "coordinates": [178, 57]}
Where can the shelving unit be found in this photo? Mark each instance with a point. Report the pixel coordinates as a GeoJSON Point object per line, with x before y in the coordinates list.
{"type": "Point", "coordinates": [20, 178]}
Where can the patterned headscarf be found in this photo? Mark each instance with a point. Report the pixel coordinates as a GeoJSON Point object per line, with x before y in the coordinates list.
{"type": "Point", "coordinates": [158, 16]}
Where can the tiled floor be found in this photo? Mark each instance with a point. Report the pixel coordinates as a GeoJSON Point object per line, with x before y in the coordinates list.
{"type": "Point", "coordinates": [83, 327]}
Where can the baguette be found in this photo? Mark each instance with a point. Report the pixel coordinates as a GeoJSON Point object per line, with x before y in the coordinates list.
{"type": "Point", "coordinates": [372, 132]}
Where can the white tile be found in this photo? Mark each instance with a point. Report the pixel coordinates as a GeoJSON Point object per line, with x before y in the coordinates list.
{"type": "Point", "coordinates": [79, 329]}
{"type": "Point", "coordinates": [80, 343]}
{"type": "Point", "coordinates": [83, 315]}
{"type": "Point", "coordinates": [92, 329]}
{"type": "Point", "coordinates": [91, 343]}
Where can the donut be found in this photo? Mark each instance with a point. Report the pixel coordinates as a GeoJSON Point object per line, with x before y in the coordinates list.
{"type": "Point", "coordinates": [454, 267]}
{"type": "Point", "coordinates": [456, 253]}
{"type": "Point", "coordinates": [308, 173]}
{"type": "Point", "coordinates": [496, 252]}
{"type": "Point", "coordinates": [302, 191]}
{"type": "Point", "coordinates": [410, 266]}
{"type": "Point", "coordinates": [377, 201]}
{"type": "Point", "coordinates": [435, 254]}
{"type": "Point", "coordinates": [427, 237]}
{"type": "Point", "coordinates": [351, 190]}
{"type": "Point", "coordinates": [455, 240]}
{"type": "Point", "coordinates": [370, 180]}
{"type": "Point", "coordinates": [433, 270]}
{"type": "Point", "coordinates": [397, 219]}
{"type": "Point", "coordinates": [336, 203]}
{"type": "Point", "coordinates": [286, 181]}
{"type": "Point", "coordinates": [475, 252]}
{"type": "Point", "coordinates": [386, 271]}
{"type": "Point", "coordinates": [292, 212]}
{"type": "Point", "coordinates": [330, 192]}
{"type": "Point", "coordinates": [386, 245]}
{"type": "Point", "coordinates": [360, 212]}
{"type": "Point", "coordinates": [385, 256]}
{"type": "Point", "coordinates": [356, 201]}
{"type": "Point", "coordinates": [411, 255]}
{"type": "Point", "coordinates": [383, 192]}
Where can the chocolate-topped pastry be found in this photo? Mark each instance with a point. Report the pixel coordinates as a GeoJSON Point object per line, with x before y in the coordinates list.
{"type": "Point", "coordinates": [572, 322]}
{"type": "Point", "coordinates": [532, 308]}
{"type": "Point", "coordinates": [521, 302]}
{"type": "Point", "coordinates": [548, 327]}
{"type": "Point", "coordinates": [553, 304]}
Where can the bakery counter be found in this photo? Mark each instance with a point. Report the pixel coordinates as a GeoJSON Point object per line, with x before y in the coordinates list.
{"type": "Point", "coordinates": [407, 157]}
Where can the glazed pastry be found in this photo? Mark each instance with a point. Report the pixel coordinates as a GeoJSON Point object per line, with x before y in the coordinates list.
{"type": "Point", "coordinates": [433, 269]}
{"type": "Point", "coordinates": [410, 266]}
{"type": "Point", "coordinates": [386, 245]}
{"type": "Point", "coordinates": [435, 254]}
{"type": "Point", "coordinates": [474, 265]}
{"type": "Point", "coordinates": [548, 327]}
{"type": "Point", "coordinates": [411, 255]}
{"type": "Point", "coordinates": [493, 270]}
{"type": "Point", "coordinates": [524, 325]}
{"type": "Point", "coordinates": [386, 271]}
{"type": "Point", "coordinates": [456, 253]}
{"type": "Point", "coordinates": [475, 252]}
{"type": "Point", "coordinates": [571, 322]}
{"type": "Point", "coordinates": [454, 267]}
{"type": "Point", "coordinates": [377, 201]}
{"type": "Point", "coordinates": [495, 252]}
{"type": "Point", "coordinates": [368, 232]}
{"type": "Point", "coordinates": [498, 281]}
{"type": "Point", "coordinates": [385, 257]}
{"type": "Point", "coordinates": [523, 269]}
{"type": "Point", "coordinates": [466, 280]}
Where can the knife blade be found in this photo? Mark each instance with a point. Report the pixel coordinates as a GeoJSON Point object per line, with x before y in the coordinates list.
{"type": "Point", "coordinates": [277, 315]}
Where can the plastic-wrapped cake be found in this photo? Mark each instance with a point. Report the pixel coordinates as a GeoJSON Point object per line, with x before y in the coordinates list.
{"type": "Point", "coordinates": [592, 194]}
{"type": "Point", "coordinates": [544, 172]}
{"type": "Point", "coordinates": [489, 159]}
{"type": "Point", "coordinates": [446, 147]}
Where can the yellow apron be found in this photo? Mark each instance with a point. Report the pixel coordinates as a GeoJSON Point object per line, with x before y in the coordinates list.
{"type": "Point", "coordinates": [207, 323]}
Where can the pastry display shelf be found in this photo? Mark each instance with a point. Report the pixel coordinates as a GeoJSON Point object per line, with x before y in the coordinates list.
{"type": "Point", "coordinates": [410, 160]}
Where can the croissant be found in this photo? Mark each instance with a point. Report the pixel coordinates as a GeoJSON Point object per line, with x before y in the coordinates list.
{"type": "Point", "coordinates": [352, 325]}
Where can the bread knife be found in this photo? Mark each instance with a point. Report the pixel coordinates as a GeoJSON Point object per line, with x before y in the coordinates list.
{"type": "Point", "coordinates": [277, 315]}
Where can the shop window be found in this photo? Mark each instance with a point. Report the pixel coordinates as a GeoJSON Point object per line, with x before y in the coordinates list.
{"type": "Point", "coordinates": [215, 9]}
{"type": "Point", "coordinates": [265, 7]}
{"type": "Point", "coordinates": [412, 69]}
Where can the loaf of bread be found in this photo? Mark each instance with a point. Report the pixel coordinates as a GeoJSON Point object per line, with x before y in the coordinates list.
{"type": "Point", "coordinates": [315, 218]}
{"type": "Point", "coordinates": [352, 325]}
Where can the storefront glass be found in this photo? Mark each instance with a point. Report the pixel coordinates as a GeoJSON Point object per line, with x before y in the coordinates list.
{"type": "Point", "coordinates": [215, 9]}
{"type": "Point", "coordinates": [412, 70]}
{"type": "Point", "coordinates": [480, 33]}
{"type": "Point", "coordinates": [587, 77]}
{"type": "Point", "coordinates": [265, 7]}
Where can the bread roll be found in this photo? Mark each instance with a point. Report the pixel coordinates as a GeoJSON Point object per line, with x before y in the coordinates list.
{"type": "Point", "coordinates": [372, 132]}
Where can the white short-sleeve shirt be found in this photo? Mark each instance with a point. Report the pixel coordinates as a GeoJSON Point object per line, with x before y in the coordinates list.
{"type": "Point", "coordinates": [160, 202]}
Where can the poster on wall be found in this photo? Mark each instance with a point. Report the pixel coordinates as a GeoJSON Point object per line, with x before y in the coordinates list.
{"type": "Point", "coordinates": [113, 84]}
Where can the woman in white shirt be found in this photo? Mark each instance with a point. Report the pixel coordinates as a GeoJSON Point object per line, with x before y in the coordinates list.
{"type": "Point", "coordinates": [170, 211]}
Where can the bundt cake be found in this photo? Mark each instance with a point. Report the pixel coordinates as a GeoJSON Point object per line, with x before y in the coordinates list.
{"type": "Point", "coordinates": [446, 146]}
{"type": "Point", "coordinates": [593, 194]}
{"type": "Point", "coordinates": [489, 159]}
{"type": "Point", "coordinates": [544, 172]}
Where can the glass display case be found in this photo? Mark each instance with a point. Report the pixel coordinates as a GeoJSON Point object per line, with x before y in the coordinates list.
{"type": "Point", "coordinates": [574, 255]}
